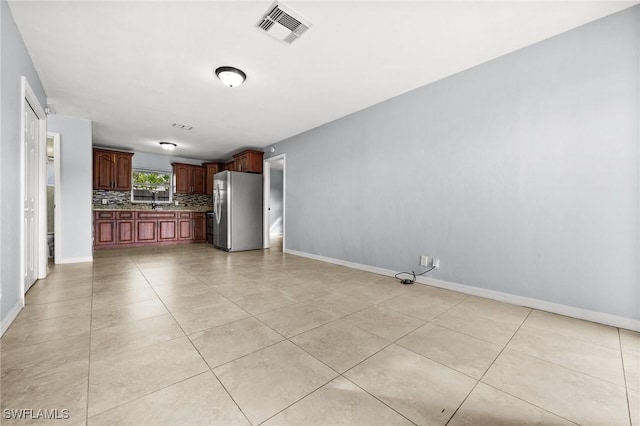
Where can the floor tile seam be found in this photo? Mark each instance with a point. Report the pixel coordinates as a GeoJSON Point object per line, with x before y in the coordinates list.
{"type": "Point", "coordinates": [142, 396]}
{"type": "Point", "coordinates": [86, 414]}
{"type": "Point", "coordinates": [523, 352]}
{"type": "Point", "coordinates": [376, 398]}
{"type": "Point", "coordinates": [55, 301]}
{"type": "Point", "coordinates": [316, 358]}
{"type": "Point", "coordinates": [128, 321]}
{"type": "Point", "coordinates": [485, 371]}
{"type": "Point", "coordinates": [210, 368]}
{"type": "Point", "coordinates": [132, 350]}
{"type": "Point", "coordinates": [624, 375]}
{"type": "Point", "coordinates": [298, 400]}
{"type": "Point", "coordinates": [476, 379]}
{"type": "Point", "coordinates": [487, 317]}
{"type": "Point", "coordinates": [19, 321]}
{"type": "Point", "coordinates": [49, 339]}
{"type": "Point", "coordinates": [382, 337]}
{"type": "Point", "coordinates": [470, 335]}
{"type": "Point", "coordinates": [199, 354]}
{"type": "Point", "coordinates": [118, 304]}
{"type": "Point", "coordinates": [461, 333]}
{"type": "Point", "coordinates": [462, 403]}
{"type": "Point", "coordinates": [501, 390]}
{"type": "Point", "coordinates": [564, 335]}
{"type": "Point", "coordinates": [528, 402]}
{"type": "Point", "coordinates": [328, 322]}
{"type": "Point", "coordinates": [403, 313]}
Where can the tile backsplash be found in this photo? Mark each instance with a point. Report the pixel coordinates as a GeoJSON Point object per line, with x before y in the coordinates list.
{"type": "Point", "coordinates": [122, 200]}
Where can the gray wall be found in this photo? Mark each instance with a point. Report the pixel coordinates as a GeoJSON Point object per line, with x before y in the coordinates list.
{"type": "Point", "coordinates": [75, 186]}
{"type": "Point", "coordinates": [14, 63]}
{"type": "Point", "coordinates": [275, 201]}
{"type": "Point", "coordinates": [520, 174]}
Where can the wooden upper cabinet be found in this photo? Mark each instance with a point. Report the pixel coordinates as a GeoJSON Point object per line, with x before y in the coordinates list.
{"type": "Point", "coordinates": [198, 174]}
{"type": "Point", "coordinates": [189, 178]}
{"type": "Point", "coordinates": [181, 175]}
{"type": "Point", "coordinates": [210, 170]}
{"type": "Point", "coordinates": [112, 170]}
{"type": "Point", "coordinates": [249, 161]}
{"type": "Point", "coordinates": [123, 171]}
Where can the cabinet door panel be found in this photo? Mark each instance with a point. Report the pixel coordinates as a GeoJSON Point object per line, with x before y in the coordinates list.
{"type": "Point", "coordinates": [146, 230]}
{"type": "Point", "coordinates": [166, 230]}
{"type": "Point", "coordinates": [184, 229]}
{"type": "Point", "coordinates": [182, 176]}
{"type": "Point", "coordinates": [199, 228]}
{"type": "Point", "coordinates": [104, 232]}
{"type": "Point", "coordinates": [125, 231]}
{"type": "Point", "coordinates": [122, 172]}
{"type": "Point", "coordinates": [198, 180]}
{"type": "Point", "coordinates": [103, 170]}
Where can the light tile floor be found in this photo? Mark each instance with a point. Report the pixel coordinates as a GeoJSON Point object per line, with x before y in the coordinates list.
{"type": "Point", "coordinates": [193, 335]}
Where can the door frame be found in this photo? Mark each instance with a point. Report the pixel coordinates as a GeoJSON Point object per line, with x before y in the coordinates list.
{"type": "Point", "coordinates": [57, 198]}
{"type": "Point", "coordinates": [29, 99]}
{"type": "Point", "coordinates": [266, 172]}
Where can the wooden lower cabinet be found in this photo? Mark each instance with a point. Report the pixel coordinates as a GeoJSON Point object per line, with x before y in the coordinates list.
{"type": "Point", "coordinates": [146, 231]}
{"type": "Point", "coordinates": [199, 226]}
{"type": "Point", "coordinates": [118, 229]}
{"type": "Point", "coordinates": [167, 230]}
{"type": "Point", "coordinates": [105, 233]}
{"type": "Point", "coordinates": [126, 234]}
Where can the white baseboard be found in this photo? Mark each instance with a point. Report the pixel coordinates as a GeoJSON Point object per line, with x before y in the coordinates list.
{"type": "Point", "coordinates": [74, 260]}
{"type": "Point", "coordinates": [556, 308]}
{"type": "Point", "coordinates": [13, 313]}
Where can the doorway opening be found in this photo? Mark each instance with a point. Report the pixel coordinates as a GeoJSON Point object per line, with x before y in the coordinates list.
{"type": "Point", "coordinates": [274, 203]}
{"type": "Point", "coordinates": [53, 197]}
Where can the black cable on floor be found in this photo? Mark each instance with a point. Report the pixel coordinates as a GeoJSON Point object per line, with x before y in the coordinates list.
{"type": "Point", "coordinates": [413, 274]}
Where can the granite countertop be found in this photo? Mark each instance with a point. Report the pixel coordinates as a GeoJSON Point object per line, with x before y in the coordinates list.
{"type": "Point", "coordinates": [149, 209]}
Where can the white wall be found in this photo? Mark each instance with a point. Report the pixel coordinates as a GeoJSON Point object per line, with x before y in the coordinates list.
{"type": "Point", "coordinates": [14, 63]}
{"type": "Point", "coordinates": [521, 175]}
{"type": "Point", "coordinates": [76, 159]}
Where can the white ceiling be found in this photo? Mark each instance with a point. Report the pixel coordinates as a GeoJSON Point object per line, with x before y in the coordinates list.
{"type": "Point", "coordinates": [136, 67]}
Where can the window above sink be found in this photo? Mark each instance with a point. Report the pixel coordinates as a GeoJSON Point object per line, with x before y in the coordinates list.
{"type": "Point", "coordinates": [151, 186]}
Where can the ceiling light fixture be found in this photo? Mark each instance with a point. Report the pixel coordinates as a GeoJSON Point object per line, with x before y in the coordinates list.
{"type": "Point", "coordinates": [169, 146]}
{"type": "Point", "coordinates": [231, 76]}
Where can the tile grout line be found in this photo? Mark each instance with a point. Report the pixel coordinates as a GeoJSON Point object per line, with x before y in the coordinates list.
{"type": "Point", "coordinates": [194, 347]}
{"type": "Point", "coordinates": [487, 370]}
{"type": "Point", "coordinates": [624, 377]}
{"type": "Point", "coordinates": [86, 419]}
{"type": "Point", "coordinates": [501, 390]}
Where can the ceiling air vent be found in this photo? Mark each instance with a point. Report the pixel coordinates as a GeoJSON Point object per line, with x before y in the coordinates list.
{"type": "Point", "coordinates": [283, 23]}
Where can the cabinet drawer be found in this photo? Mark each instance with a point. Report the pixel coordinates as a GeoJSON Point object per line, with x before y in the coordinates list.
{"type": "Point", "coordinates": [105, 214]}
{"type": "Point", "coordinates": [156, 215]}
{"type": "Point", "coordinates": [125, 215]}
{"type": "Point", "coordinates": [184, 215]}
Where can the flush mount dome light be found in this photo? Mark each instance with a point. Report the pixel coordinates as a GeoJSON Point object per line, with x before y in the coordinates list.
{"type": "Point", "coordinates": [231, 76]}
{"type": "Point", "coordinates": [169, 146]}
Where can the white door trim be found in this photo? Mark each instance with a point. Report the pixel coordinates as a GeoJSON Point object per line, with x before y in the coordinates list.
{"type": "Point", "coordinates": [29, 99]}
{"type": "Point", "coordinates": [266, 171]}
{"type": "Point", "coordinates": [57, 197]}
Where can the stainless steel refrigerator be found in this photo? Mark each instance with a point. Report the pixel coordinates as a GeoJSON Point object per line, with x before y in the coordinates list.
{"type": "Point", "coordinates": [237, 204]}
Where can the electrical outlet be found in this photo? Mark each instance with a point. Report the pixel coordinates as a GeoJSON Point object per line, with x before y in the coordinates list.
{"type": "Point", "coordinates": [104, 201]}
{"type": "Point", "coordinates": [424, 260]}
{"type": "Point", "coordinates": [436, 263]}
{"type": "Point", "coordinates": [177, 203]}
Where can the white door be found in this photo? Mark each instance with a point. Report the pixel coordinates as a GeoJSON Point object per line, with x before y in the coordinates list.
{"type": "Point", "coordinates": [31, 139]}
